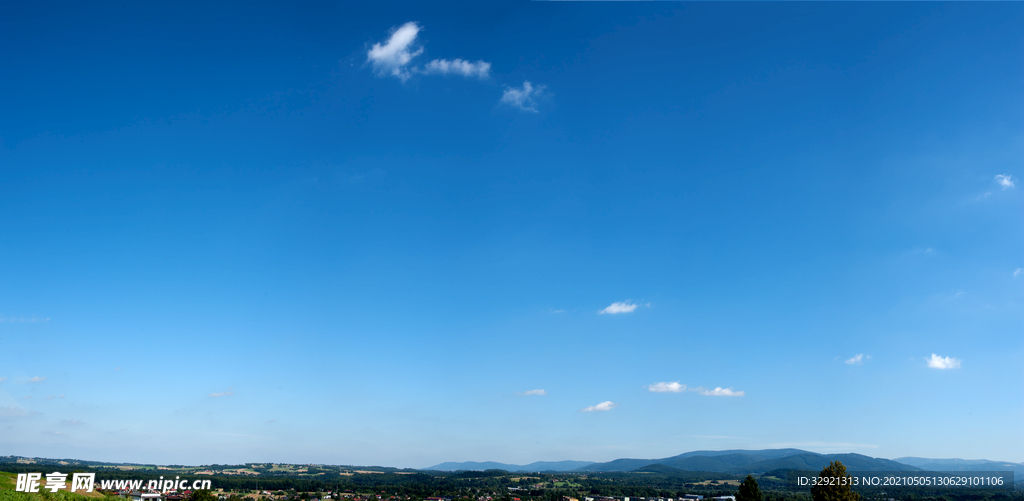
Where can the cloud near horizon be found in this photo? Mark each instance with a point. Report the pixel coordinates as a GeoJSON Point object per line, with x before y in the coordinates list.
{"type": "Point", "coordinates": [942, 363]}
{"type": "Point", "coordinates": [620, 307]}
{"type": "Point", "coordinates": [673, 387]}
{"type": "Point", "coordinates": [720, 392]}
{"type": "Point", "coordinates": [394, 58]}
{"type": "Point", "coordinates": [16, 412]}
{"type": "Point", "coordinates": [37, 379]}
{"type": "Point", "coordinates": [532, 392]}
{"type": "Point", "coordinates": [607, 405]}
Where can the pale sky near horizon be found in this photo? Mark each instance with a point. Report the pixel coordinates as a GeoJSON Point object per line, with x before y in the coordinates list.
{"type": "Point", "coordinates": [406, 233]}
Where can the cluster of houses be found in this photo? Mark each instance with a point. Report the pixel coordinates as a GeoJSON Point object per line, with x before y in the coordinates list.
{"type": "Point", "coordinates": [349, 496]}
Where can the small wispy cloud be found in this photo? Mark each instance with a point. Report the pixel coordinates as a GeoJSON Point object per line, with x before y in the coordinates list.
{"type": "Point", "coordinates": [616, 308]}
{"type": "Point", "coordinates": [937, 362]}
{"type": "Point", "coordinates": [2, 379]}
{"type": "Point", "coordinates": [673, 387]}
{"type": "Point", "coordinates": [857, 359]}
{"type": "Point", "coordinates": [225, 393]}
{"type": "Point", "coordinates": [394, 58]}
{"type": "Point", "coordinates": [607, 405]}
{"type": "Point", "coordinates": [1005, 181]}
{"type": "Point", "coordinates": [532, 392]}
{"type": "Point", "coordinates": [479, 69]}
{"type": "Point", "coordinates": [51, 397]}
{"type": "Point", "coordinates": [525, 97]}
{"type": "Point", "coordinates": [720, 392]}
{"type": "Point", "coordinates": [37, 379]}
{"type": "Point", "coordinates": [71, 422]}
{"type": "Point", "coordinates": [1016, 273]}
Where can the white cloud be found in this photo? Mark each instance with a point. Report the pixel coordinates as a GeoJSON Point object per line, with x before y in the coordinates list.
{"type": "Point", "coordinates": [1005, 180]}
{"type": "Point", "coordinates": [1016, 273]}
{"type": "Point", "coordinates": [532, 392]}
{"type": "Point", "coordinates": [37, 379]}
{"type": "Point", "coordinates": [607, 405]}
{"type": "Point", "coordinates": [720, 392]}
{"type": "Point", "coordinates": [479, 69]}
{"type": "Point", "coordinates": [857, 359]}
{"type": "Point", "coordinates": [392, 57]}
{"type": "Point", "coordinates": [623, 307]}
{"type": "Point", "coordinates": [937, 362]}
{"type": "Point", "coordinates": [673, 387]}
{"type": "Point", "coordinates": [226, 393]}
{"type": "Point", "coordinates": [524, 98]}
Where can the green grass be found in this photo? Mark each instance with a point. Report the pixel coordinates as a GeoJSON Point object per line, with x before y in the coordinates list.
{"type": "Point", "coordinates": [11, 495]}
{"type": "Point", "coordinates": [7, 493]}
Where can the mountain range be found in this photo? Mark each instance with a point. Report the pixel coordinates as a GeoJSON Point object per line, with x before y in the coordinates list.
{"type": "Point", "coordinates": [746, 461]}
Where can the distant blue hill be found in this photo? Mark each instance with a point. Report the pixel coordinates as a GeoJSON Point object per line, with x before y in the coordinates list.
{"type": "Point", "coordinates": [750, 461]}
{"type": "Point", "coordinates": [964, 465]}
{"type": "Point", "coordinates": [491, 465]}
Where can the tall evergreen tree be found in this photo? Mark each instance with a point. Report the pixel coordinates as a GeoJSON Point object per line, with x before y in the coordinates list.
{"type": "Point", "coordinates": [749, 491]}
{"type": "Point", "coordinates": [834, 484]}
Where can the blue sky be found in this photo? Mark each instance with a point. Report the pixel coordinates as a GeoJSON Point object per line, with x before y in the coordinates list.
{"type": "Point", "coordinates": [410, 233]}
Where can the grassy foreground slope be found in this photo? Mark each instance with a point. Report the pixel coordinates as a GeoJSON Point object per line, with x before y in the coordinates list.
{"type": "Point", "coordinates": [7, 492]}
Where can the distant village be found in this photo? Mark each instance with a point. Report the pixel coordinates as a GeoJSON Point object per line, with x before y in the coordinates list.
{"type": "Point", "coordinates": [220, 495]}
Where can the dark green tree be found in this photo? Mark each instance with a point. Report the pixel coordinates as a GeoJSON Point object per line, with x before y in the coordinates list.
{"type": "Point", "coordinates": [834, 484]}
{"type": "Point", "coordinates": [202, 495]}
{"type": "Point", "coordinates": [749, 491]}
